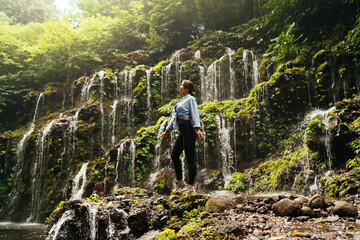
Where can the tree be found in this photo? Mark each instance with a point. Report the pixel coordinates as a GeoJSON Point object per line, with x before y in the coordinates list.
{"type": "Point", "coordinates": [26, 11]}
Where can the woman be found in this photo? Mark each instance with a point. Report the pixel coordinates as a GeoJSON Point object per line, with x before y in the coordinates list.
{"type": "Point", "coordinates": [185, 118]}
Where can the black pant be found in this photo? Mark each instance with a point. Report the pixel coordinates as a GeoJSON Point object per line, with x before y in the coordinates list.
{"type": "Point", "coordinates": [186, 140]}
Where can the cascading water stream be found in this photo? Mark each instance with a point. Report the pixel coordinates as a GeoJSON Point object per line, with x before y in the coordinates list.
{"type": "Point", "coordinates": [113, 115]}
{"type": "Point", "coordinates": [197, 54]}
{"type": "Point", "coordinates": [39, 168]}
{"type": "Point", "coordinates": [79, 181]}
{"type": "Point", "coordinates": [132, 161]}
{"type": "Point", "coordinates": [226, 152]}
{"type": "Point", "coordinates": [219, 75]}
{"type": "Point", "coordinates": [120, 153]}
{"type": "Point", "coordinates": [55, 229]}
{"type": "Point", "coordinates": [250, 69]}
{"type": "Point", "coordinates": [119, 161]}
{"type": "Point", "coordinates": [323, 116]}
{"type": "Point", "coordinates": [148, 100]}
{"type": "Point", "coordinates": [101, 90]}
{"type": "Point", "coordinates": [20, 154]}
{"type": "Point", "coordinates": [166, 72]}
{"type": "Point", "coordinates": [156, 164]}
{"type": "Point", "coordinates": [232, 79]}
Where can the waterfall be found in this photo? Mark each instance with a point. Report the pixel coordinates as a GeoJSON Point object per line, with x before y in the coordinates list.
{"type": "Point", "coordinates": [71, 132]}
{"type": "Point", "coordinates": [39, 169]}
{"type": "Point", "coordinates": [93, 210]}
{"type": "Point", "coordinates": [157, 157]}
{"type": "Point", "coordinates": [85, 91]}
{"type": "Point", "coordinates": [120, 153]}
{"type": "Point", "coordinates": [197, 54]}
{"type": "Point", "coordinates": [218, 82]}
{"type": "Point", "coordinates": [323, 116]}
{"type": "Point", "coordinates": [251, 73]}
{"type": "Point", "coordinates": [126, 79]}
{"type": "Point", "coordinates": [113, 115]}
{"type": "Point", "coordinates": [211, 79]}
{"type": "Point", "coordinates": [148, 101]}
{"type": "Point", "coordinates": [232, 77]}
{"type": "Point", "coordinates": [20, 149]}
{"type": "Point", "coordinates": [132, 162]}
{"type": "Point", "coordinates": [55, 229]}
{"type": "Point", "coordinates": [226, 152]}
{"type": "Point", "coordinates": [166, 72]}
{"type": "Point", "coordinates": [101, 76]}
{"type": "Point", "coordinates": [20, 154]}
{"type": "Point", "coordinates": [79, 181]}
{"type": "Point", "coordinates": [119, 161]}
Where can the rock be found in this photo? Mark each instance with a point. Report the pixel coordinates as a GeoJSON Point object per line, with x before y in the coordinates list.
{"type": "Point", "coordinates": [138, 221]}
{"type": "Point", "coordinates": [302, 218]}
{"type": "Point", "coordinates": [306, 211]}
{"type": "Point", "coordinates": [150, 235]}
{"type": "Point", "coordinates": [222, 200]}
{"type": "Point", "coordinates": [344, 209]}
{"type": "Point", "coordinates": [164, 181]}
{"type": "Point", "coordinates": [269, 200]}
{"type": "Point", "coordinates": [301, 200]}
{"type": "Point", "coordinates": [209, 180]}
{"type": "Point", "coordinates": [317, 201]}
{"type": "Point", "coordinates": [286, 207]}
{"type": "Point", "coordinates": [332, 218]}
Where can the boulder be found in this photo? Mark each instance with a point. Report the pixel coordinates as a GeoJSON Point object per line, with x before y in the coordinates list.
{"type": "Point", "coordinates": [138, 221]}
{"type": "Point", "coordinates": [317, 201]}
{"type": "Point", "coordinates": [286, 207]}
{"type": "Point", "coordinates": [209, 180]}
{"type": "Point", "coordinates": [222, 200]}
{"type": "Point", "coordinates": [306, 211]}
{"type": "Point", "coordinates": [345, 209]}
{"type": "Point", "coordinates": [164, 181]}
{"type": "Point", "coordinates": [301, 200]}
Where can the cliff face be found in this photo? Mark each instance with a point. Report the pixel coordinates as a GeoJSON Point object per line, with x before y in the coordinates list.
{"type": "Point", "coordinates": [260, 117]}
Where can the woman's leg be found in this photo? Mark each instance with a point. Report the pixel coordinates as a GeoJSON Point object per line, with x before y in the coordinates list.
{"type": "Point", "coordinates": [189, 138]}
{"type": "Point", "coordinates": [175, 156]}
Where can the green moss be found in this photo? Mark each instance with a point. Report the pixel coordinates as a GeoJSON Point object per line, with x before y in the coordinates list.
{"type": "Point", "coordinates": [167, 234]}
{"type": "Point", "coordinates": [160, 65]}
{"type": "Point", "coordinates": [237, 182]}
{"type": "Point", "coordinates": [278, 174]}
{"type": "Point", "coordinates": [167, 109]}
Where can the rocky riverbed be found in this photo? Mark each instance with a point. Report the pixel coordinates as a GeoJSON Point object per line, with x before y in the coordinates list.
{"type": "Point", "coordinates": [141, 214]}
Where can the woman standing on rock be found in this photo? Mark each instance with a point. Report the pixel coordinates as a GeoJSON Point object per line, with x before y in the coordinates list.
{"type": "Point", "coordinates": [185, 118]}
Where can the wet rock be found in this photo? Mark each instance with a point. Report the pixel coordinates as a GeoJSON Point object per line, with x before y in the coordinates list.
{"type": "Point", "coordinates": [317, 201]}
{"type": "Point", "coordinates": [302, 218]}
{"type": "Point", "coordinates": [208, 180]}
{"type": "Point", "coordinates": [164, 181]}
{"type": "Point", "coordinates": [306, 211]}
{"type": "Point", "coordinates": [269, 200]}
{"type": "Point", "coordinates": [286, 207]}
{"type": "Point", "coordinates": [222, 200]}
{"type": "Point", "coordinates": [343, 208]}
{"type": "Point", "coordinates": [332, 218]}
{"type": "Point", "coordinates": [301, 200]}
{"type": "Point", "coordinates": [138, 221]}
{"type": "Point", "coordinates": [91, 112]}
{"type": "Point", "coordinates": [150, 235]}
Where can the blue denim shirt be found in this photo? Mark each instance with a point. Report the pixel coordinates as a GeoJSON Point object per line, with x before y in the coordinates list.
{"type": "Point", "coordinates": [185, 109]}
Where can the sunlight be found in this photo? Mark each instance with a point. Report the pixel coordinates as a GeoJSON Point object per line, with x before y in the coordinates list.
{"type": "Point", "coordinates": [64, 5]}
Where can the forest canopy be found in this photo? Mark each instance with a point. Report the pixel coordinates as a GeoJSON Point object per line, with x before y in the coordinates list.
{"type": "Point", "coordinates": [40, 46]}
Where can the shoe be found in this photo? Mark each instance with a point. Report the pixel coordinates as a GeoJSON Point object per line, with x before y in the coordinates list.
{"type": "Point", "coordinates": [188, 188]}
{"type": "Point", "coordinates": [179, 185]}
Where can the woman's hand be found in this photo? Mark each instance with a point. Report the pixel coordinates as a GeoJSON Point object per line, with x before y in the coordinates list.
{"type": "Point", "coordinates": [165, 134]}
{"type": "Point", "coordinates": [199, 133]}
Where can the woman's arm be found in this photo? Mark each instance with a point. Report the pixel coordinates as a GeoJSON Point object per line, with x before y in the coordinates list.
{"type": "Point", "coordinates": [194, 115]}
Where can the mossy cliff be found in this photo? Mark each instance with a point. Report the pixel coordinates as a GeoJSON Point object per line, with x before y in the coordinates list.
{"type": "Point", "coordinates": [257, 101]}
